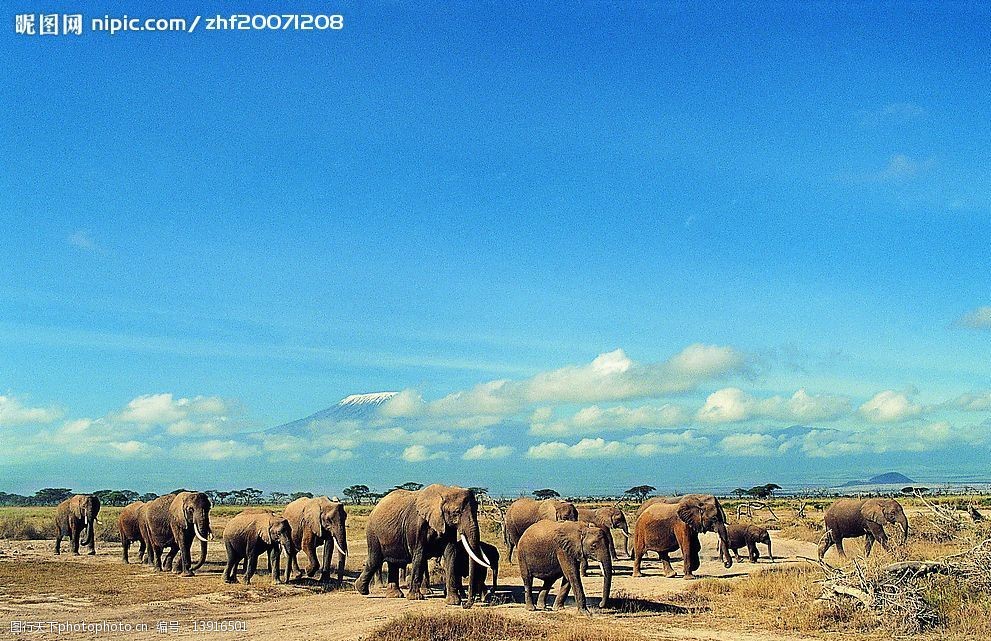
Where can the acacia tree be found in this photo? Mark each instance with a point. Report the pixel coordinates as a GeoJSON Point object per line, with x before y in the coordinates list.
{"type": "Point", "coordinates": [546, 493]}
{"type": "Point", "coordinates": [639, 493]}
{"type": "Point", "coordinates": [411, 486]}
{"type": "Point", "coordinates": [356, 493]}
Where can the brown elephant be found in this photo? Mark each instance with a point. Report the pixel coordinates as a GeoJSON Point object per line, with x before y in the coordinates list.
{"type": "Point", "coordinates": [525, 512]}
{"type": "Point", "coordinates": [410, 527]}
{"type": "Point", "coordinates": [315, 522]}
{"type": "Point", "coordinates": [668, 526]}
{"type": "Point", "coordinates": [463, 569]}
{"type": "Point", "coordinates": [606, 518]}
{"type": "Point", "coordinates": [550, 550]}
{"type": "Point", "coordinates": [748, 535]}
{"type": "Point", "coordinates": [852, 518]}
{"type": "Point", "coordinates": [74, 516]}
{"type": "Point", "coordinates": [173, 521]}
{"type": "Point", "coordinates": [130, 530]}
{"type": "Point", "coordinates": [249, 534]}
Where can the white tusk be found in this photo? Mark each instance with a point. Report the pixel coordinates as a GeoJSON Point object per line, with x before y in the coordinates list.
{"type": "Point", "coordinates": [484, 558]}
{"type": "Point", "coordinates": [196, 530]}
{"type": "Point", "coordinates": [86, 519]}
{"type": "Point", "coordinates": [338, 547]}
{"type": "Point", "coordinates": [464, 542]}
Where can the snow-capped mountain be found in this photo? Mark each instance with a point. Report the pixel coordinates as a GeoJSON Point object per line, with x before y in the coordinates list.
{"type": "Point", "coordinates": [353, 407]}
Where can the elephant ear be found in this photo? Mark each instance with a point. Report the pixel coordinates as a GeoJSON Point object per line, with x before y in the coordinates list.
{"type": "Point", "coordinates": [873, 512]}
{"type": "Point", "coordinates": [311, 518]}
{"type": "Point", "coordinates": [266, 530]}
{"type": "Point", "coordinates": [430, 506]}
{"type": "Point", "coordinates": [690, 511]}
{"type": "Point", "coordinates": [722, 512]}
{"type": "Point", "coordinates": [570, 540]}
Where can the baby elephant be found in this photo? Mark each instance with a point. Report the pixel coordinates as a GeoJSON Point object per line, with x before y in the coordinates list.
{"type": "Point", "coordinates": [550, 550]}
{"type": "Point", "coordinates": [461, 568]}
{"type": "Point", "coordinates": [749, 535]}
{"type": "Point", "coordinates": [248, 535]}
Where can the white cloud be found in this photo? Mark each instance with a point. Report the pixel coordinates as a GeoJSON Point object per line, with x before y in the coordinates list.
{"type": "Point", "coordinates": [597, 419]}
{"type": "Point", "coordinates": [974, 402]}
{"type": "Point", "coordinates": [596, 448]}
{"type": "Point", "coordinates": [404, 404]}
{"type": "Point", "coordinates": [163, 408]}
{"type": "Point", "coordinates": [890, 406]}
{"type": "Point", "coordinates": [215, 450]}
{"type": "Point", "coordinates": [13, 412]}
{"type": "Point", "coordinates": [732, 404]}
{"type": "Point", "coordinates": [420, 453]}
{"type": "Point", "coordinates": [481, 452]}
{"type": "Point", "coordinates": [922, 437]}
{"type": "Point", "coordinates": [336, 456]}
{"type": "Point", "coordinates": [749, 445]}
{"type": "Point", "coordinates": [979, 318]}
{"type": "Point", "coordinates": [397, 435]}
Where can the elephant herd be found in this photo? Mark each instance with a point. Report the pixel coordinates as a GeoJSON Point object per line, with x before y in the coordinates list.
{"type": "Point", "coordinates": [553, 539]}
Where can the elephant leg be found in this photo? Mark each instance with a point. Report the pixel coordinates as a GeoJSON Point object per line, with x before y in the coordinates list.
{"type": "Point", "coordinates": [92, 537]}
{"type": "Point", "coordinates": [185, 557]}
{"type": "Point", "coordinates": [839, 547]}
{"type": "Point", "coordinates": [638, 551]}
{"type": "Point", "coordinates": [584, 566]}
{"type": "Point", "coordinates": [877, 532]}
{"type": "Point", "coordinates": [74, 538]}
{"type": "Point", "coordinates": [868, 544]}
{"type": "Point", "coordinates": [544, 591]}
{"type": "Point", "coordinates": [694, 549]}
{"type": "Point", "coordinates": [562, 594]}
{"type": "Point", "coordinates": [752, 552]}
{"type": "Point", "coordinates": [142, 550]}
{"type": "Point", "coordinates": [373, 564]}
{"type": "Point", "coordinates": [274, 563]}
{"type": "Point", "coordinates": [58, 540]}
{"type": "Point", "coordinates": [827, 542]}
{"type": "Point", "coordinates": [612, 545]}
{"type": "Point", "coordinates": [233, 560]}
{"type": "Point", "coordinates": [125, 544]}
{"type": "Point", "coordinates": [252, 562]}
{"type": "Point", "coordinates": [418, 568]}
{"type": "Point", "coordinates": [392, 589]}
{"type": "Point", "coordinates": [310, 547]}
{"type": "Point", "coordinates": [169, 561]}
{"type": "Point", "coordinates": [328, 556]}
{"type": "Point", "coordinates": [452, 580]}
{"type": "Point", "coordinates": [666, 568]}
{"type": "Point", "coordinates": [576, 581]}
{"type": "Point", "coordinates": [528, 590]}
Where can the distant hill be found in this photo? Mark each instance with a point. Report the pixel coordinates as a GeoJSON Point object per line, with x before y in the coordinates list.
{"type": "Point", "coordinates": [354, 407]}
{"type": "Point", "coordinates": [888, 478]}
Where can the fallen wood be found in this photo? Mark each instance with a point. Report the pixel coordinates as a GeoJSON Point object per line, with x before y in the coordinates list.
{"type": "Point", "coordinates": [917, 569]}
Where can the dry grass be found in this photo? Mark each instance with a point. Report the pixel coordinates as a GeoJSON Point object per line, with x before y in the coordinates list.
{"type": "Point", "coordinates": [481, 625]}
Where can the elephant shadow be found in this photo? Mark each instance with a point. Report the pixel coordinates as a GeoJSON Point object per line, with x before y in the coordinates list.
{"type": "Point", "coordinates": [316, 586]}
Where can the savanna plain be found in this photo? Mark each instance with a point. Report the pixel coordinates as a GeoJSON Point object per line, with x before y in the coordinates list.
{"type": "Point", "coordinates": [790, 598]}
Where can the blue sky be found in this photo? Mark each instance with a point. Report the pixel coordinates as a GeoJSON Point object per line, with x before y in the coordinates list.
{"type": "Point", "coordinates": [778, 214]}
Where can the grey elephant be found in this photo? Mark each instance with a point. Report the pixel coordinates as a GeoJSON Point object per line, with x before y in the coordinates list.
{"type": "Point", "coordinates": [251, 533]}
{"type": "Point", "coordinates": [410, 527]}
{"type": "Point", "coordinates": [675, 523]}
{"type": "Point", "coordinates": [73, 517]}
{"type": "Point", "coordinates": [130, 530]}
{"type": "Point", "coordinates": [315, 522]}
{"type": "Point", "coordinates": [550, 550]}
{"type": "Point", "coordinates": [852, 518]}
{"type": "Point", "coordinates": [748, 535]}
{"type": "Point", "coordinates": [173, 521]}
{"type": "Point", "coordinates": [463, 569]}
{"type": "Point", "coordinates": [524, 512]}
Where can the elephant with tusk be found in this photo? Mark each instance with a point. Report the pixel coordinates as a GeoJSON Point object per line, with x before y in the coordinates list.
{"type": "Point", "coordinates": [174, 521]}
{"type": "Point", "coordinates": [315, 522]}
{"type": "Point", "coordinates": [852, 518]}
{"type": "Point", "coordinates": [525, 512]}
{"type": "Point", "coordinates": [410, 527]}
{"type": "Point", "coordinates": [76, 516]}
{"type": "Point", "coordinates": [550, 550]}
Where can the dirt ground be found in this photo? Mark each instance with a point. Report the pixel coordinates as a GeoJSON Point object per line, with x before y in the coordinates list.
{"type": "Point", "coordinates": [37, 587]}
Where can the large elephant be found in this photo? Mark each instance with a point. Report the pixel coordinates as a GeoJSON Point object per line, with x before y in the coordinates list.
{"type": "Point", "coordinates": [130, 530]}
{"type": "Point", "coordinates": [550, 550]}
{"type": "Point", "coordinates": [173, 521]}
{"type": "Point", "coordinates": [748, 535]}
{"type": "Point", "coordinates": [74, 516]}
{"type": "Point", "coordinates": [852, 518]}
{"type": "Point", "coordinates": [249, 534]}
{"type": "Point", "coordinates": [608, 518]}
{"type": "Point", "coordinates": [668, 526]}
{"type": "Point", "coordinates": [315, 522]}
{"type": "Point", "coordinates": [525, 512]}
{"type": "Point", "coordinates": [409, 527]}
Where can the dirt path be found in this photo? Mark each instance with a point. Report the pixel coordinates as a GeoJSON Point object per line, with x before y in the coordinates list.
{"type": "Point", "coordinates": [36, 587]}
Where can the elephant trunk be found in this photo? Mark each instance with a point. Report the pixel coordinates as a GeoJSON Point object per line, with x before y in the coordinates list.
{"type": "Point", "coordinates": [470, 539]}
{"type": "Point", "coordinates": [199, 564]}
{"type": "Point", "coordinates": [606, 561]}
{"type": "Point", "coordinates": [903, 522]}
